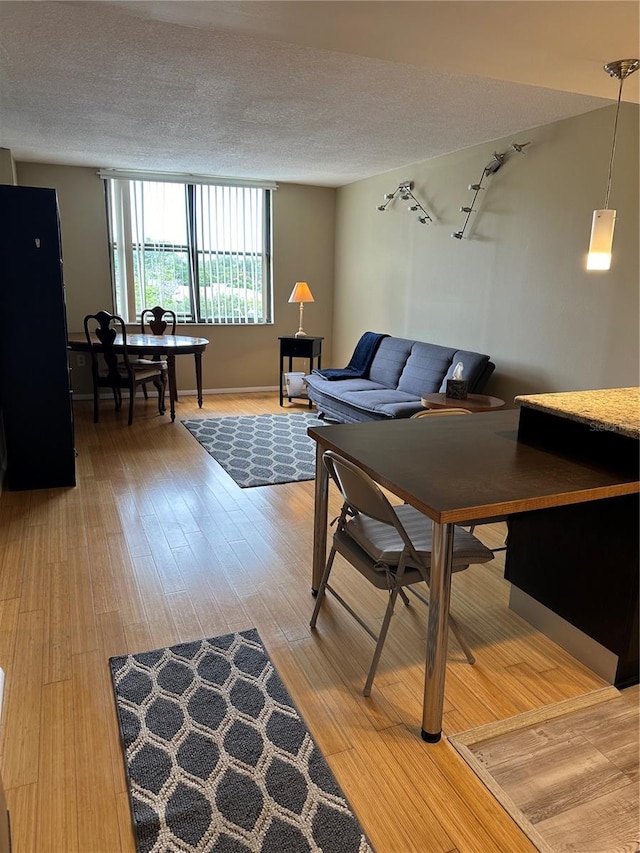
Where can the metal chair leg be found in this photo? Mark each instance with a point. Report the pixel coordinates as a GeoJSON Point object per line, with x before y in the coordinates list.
{"type": "Point", "coordinates": [322, 587]}
{"type": "Point", "coordinates": [460, 638]}
{"type": "Point", "coordinates": [404, 597]}
{"type": "Point", "coordinates": [454, 627]}
{"type": "Point", "coordinates": [381, 638]}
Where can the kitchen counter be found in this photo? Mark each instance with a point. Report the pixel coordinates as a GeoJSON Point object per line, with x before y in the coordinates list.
{"type": "Point", "coordinates": [574, 569]}
{"type": "Point", "coordinates": [610, 409]}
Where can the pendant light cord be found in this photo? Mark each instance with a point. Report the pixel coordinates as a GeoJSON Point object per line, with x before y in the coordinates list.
{"type": "Point", "coordinates": [613, 146]}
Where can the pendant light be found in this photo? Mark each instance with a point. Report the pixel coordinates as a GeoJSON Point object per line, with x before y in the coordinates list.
{"type": "Point", "coordinates": [599, 257]}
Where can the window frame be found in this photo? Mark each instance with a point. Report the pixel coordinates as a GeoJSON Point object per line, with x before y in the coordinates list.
{"type": "Point", "coordinates": [120, 233]}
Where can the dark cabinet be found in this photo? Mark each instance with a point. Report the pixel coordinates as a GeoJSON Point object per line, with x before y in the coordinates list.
{"type": "Point", "coordinates": [588, 574]}
{"type": "Point", "coordinates": [35, 391]}
{"type": "Point", "coordinates": [580, 562]}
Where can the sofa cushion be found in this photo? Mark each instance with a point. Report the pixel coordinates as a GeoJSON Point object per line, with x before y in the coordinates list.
{"type": "Point", "coordinates": [384, 401]}
{"type": "Point", "coordinates": [425, 368]}
{"type": "Point", "coordinates": [343, 386]}
{"type": "Point", "coordinates": [390, 358]}
{"type": "Point", "coordinates": [430, 365]}
{"type": "Point", "coordinates": [475, 364]}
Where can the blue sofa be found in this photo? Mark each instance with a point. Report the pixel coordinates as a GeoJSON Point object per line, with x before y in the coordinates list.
{"type": "Point", "coordinates": [401, 372]}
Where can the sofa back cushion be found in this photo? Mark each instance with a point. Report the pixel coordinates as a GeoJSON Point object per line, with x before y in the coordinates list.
{"type": "Point", "coordinates": [475, 368]}
{"type": "Point", "coordinates": [425, 368]}
{"type": "Point", "coordinates": [389, 361]}
{"type": "Point", "coordinates": [430, 365]}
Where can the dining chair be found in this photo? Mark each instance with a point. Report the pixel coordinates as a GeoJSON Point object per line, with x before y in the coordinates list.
{"type": "Point", "coordinates": [157, 322]}
{"type": "Point", "coordinates": [430, 413]}
{"type": "Point", "coordinates": [390, 546]}
{"type": "Point", "coordinates": [155, 317]}
{"type": "Point", "coordinates": [111, 366]}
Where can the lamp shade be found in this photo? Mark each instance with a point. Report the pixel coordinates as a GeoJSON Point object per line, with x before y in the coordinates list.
{"type": "Point", "coordinates": [301, 293]}
{"type": "Point", "coordinates": [599, 257]}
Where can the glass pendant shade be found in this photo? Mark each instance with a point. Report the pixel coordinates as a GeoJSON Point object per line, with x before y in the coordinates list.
{"type": "Point", "coordinates": [603, 223]}
{"type": "Point", "coordinates": [599, 257]}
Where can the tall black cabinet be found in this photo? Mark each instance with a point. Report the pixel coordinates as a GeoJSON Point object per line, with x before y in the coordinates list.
{"type": "Point", "coordinates": [35, 391]}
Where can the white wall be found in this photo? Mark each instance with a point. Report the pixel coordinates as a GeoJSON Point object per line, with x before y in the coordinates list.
{"type": "Point", "coordinates": [516, 287]}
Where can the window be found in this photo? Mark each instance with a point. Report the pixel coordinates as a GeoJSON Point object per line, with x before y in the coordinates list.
{"type": "Point", "coordinates": [201, 249]}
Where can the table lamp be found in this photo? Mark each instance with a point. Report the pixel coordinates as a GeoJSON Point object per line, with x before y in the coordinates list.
{"type": "Point", "coordinates": [301, 294]}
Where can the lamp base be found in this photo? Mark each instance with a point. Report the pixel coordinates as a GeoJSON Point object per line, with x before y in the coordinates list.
{"type": "Point", "coordinates": [300, 334]}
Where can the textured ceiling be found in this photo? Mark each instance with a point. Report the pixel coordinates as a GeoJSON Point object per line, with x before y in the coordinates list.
{"type": "Point", "coordinates": [311, 92]}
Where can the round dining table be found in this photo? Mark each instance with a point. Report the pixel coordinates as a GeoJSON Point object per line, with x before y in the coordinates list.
{"type": "Point", "coordinates": [167, 346]}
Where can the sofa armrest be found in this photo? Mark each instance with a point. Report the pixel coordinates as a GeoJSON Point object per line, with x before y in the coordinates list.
{"type": "Point", "coordinates": [480, 383]}
{"type": "Point", "coordinates": [477, 370]}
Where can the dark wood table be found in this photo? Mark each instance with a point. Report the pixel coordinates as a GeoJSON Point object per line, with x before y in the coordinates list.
{"type": "Point", "coordinates": [455, 471]}
{"type": "Point", "coordinates": [168, 346]}
{"type": "Point", "coordinates": [472, 402]}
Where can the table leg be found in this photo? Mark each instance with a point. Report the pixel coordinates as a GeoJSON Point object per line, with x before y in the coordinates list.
{"type": "Point", "coordinates": [321, 506]}
{"type": "Point", "coordinates": [437, 631]}
{"type": "Point", "coordinates": [198, 360]}
{"type": "Point", "coordinates": [171, 366]}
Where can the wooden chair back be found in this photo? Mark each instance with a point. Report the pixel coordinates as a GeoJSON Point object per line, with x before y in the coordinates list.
{"type": "Point", "coordinates": [155, 317]}
{"type": "Point", "coordinates": [112, 368]}
{"type": "Point", "coordinates": [434, 413]}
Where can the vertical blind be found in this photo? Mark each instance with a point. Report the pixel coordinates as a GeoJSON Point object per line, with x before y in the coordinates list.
{"type": "Point", "coordinates": [201, 249]}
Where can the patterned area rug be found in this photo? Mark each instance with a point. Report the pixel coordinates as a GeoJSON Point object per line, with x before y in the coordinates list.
{"type": "Point", "coordinates": [260, 450]}
{"type": "Point", "coordinates": [218, 758]}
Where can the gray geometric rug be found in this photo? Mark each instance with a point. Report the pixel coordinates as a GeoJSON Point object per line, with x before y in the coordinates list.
{"type": "Point", "coordinates": [218, 757]}
{"type": "Point", "coordinates": [260, 450]}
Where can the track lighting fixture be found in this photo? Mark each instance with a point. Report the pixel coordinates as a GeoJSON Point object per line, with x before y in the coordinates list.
{"type": "Point", "coordinates": [403, 192]}
{"type": "Point", "coordinates": [497, 162]}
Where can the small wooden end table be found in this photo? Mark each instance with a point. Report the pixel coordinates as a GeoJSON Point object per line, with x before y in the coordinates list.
{"type": "Point", "coordinates": [472, 402]}
{"type": "Point", "coordinates": [291, 347]}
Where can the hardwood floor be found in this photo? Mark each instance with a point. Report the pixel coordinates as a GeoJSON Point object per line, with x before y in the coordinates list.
{"type": "Point", "coordinates": [157, 545]}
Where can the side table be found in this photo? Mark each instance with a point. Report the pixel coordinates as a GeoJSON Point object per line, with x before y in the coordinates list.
{"type": "Point", "coordinates": [472, 402]}
{"type": "Point", "coordinates": [302, 347]}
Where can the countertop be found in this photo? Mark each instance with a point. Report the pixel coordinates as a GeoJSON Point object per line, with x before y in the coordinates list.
{"type": "Point", "coordinates": [609, 409]}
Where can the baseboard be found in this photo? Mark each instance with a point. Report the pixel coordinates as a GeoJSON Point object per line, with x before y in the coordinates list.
{"type": "Point", "coordinates": [592, 654]}
{"type": "Point", "coordinates": [186, 392]}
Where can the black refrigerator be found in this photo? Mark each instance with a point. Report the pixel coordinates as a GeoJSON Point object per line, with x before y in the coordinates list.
{"type": "Point", "coordinates": [35, 390]}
